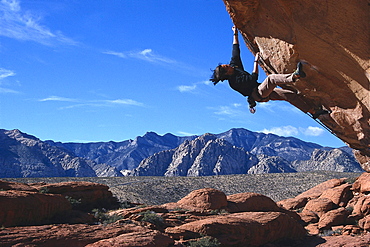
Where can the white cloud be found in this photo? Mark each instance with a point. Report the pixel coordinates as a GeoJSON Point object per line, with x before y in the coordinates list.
{"type": "Point", "coordinates": [230, 111]}
{"type": "Point", "coordinates": [184, 88]}
{"type": "Point", "coordinates": [57, 98]}
{"type": "Point", "coordinates": [293, 131]}
{"type": "Point", "coordinates": [312, 131]}
{"type": "Point", "coordinates": [24, 25]}
{"type": "Point", "coordinates": [193, 87]}
{"type": "Point", "coordinates": [6, 90]}
{"type": "Point", "coordinates": [92, 103]}
{"type": "Point", "coordinates": [282, 131]}
{"type": "Point", "coordinates": [125, 102]}
{"type": "Point", "coordinates": [6, 73]}
{"type": "Point", "coordinates": [146, 55]}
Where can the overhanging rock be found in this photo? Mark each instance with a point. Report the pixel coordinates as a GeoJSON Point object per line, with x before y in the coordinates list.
{"type": "Point", "coordinates": [332, 38]}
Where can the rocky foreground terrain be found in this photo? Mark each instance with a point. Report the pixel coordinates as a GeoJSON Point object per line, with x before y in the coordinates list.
{"type": "Point", "coordinates": [333, 212]}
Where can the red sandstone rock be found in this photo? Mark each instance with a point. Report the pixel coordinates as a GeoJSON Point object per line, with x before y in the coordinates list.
{"type": "Point", "coordinates": [77, 235]}
{"type": "Point", "coordinates": [309, 216]}
{"type": "Point", "coordinates": [148, 238]}
{"type": "Point", "coordinates": [361, 205]}
{"type": "Point", "coordinates": [319, 206]}
{"type": "Point", "coordinates": [90, 195]}
{"type": "Point", "coordinates": [364, 223]}
{"type": "Point", "coordinates": [346, 241]}
{"type": "Point", "coordinates": [246, 229]}
{"type": "Point", "coordinates": [27, 208]}
{"type": "Point", "coordinates": [362, 183]}
{"type": "Point", "coordinates": [5, 185]}
{"type": "Point", "coordinates": [293, 203]}
{"type": "Point", "coordinates": [248, 202]}
{"type": "Point", "coordinates": [333, 218]}
{"type": "Point", "coordinates": [204, 199]}
{"type": "Point", "coordinates": [316, 191]}
{"type": "Point", "coordinates": [340, 195]}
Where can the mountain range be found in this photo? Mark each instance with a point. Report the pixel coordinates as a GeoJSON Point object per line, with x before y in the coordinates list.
{"type": "Point", "coordinates": [237, 151]}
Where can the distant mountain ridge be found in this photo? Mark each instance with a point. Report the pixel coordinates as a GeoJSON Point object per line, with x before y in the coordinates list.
{"type": "Point", "coordinates": [236, 151]}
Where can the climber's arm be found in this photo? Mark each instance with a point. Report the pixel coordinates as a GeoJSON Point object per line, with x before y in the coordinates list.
{"type": "Point", "coordinates": [235, 56]}
{"type": "Point", "coordinates": [255, 66]}
{"type": "Point", "coordinates": [236, 38]}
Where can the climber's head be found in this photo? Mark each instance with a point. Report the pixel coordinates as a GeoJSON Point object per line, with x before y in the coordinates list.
{"type": "Point", "coordinates": [221, 73]}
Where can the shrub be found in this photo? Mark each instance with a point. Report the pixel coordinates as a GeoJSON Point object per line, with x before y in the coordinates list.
{"type": "Point", "coordinates": [152, 217]}
{"type": "Point", "coordinates": [205, 242]}
{"type": "Point", "coordinates": [104, 218]}
{"type": "Point", "coordinates": [73, 201]}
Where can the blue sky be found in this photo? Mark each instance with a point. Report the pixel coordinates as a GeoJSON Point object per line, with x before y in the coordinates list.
{"type": "Point", "coordinates": [111, 70]}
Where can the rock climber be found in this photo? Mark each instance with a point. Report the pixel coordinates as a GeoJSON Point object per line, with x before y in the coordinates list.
{"type": "Point", "coordinates": [246, 84]}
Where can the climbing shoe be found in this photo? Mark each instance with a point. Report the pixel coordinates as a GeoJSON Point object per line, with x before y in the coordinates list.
{"type": "Point", "coordinates": [299, 71]}
{"type": "Point", "coordinates": [319, 113]}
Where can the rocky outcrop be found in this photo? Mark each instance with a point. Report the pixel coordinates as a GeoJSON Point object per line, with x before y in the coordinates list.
{"type": "Point", "coordinates": [33, 204]}
{"type": "Point", "coordinates": [336, 213]}
{"type": "Point", "coordinates": [330, 38]}
{"type": "Point", "coordinates": [204, 156]}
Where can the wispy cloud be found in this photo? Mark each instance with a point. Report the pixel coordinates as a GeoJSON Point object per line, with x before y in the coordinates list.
{"type": "Point", "coordinates": [57, 98]}
{"type": "Point", "coordinates": [125, 102]}
{"type": "Point", "coordinates": [146, 55]}
{"type": "Point", "coordinates": [23, 25]}
{"type": "Point", "coordinates": [6, 73]}
{"type": "Point", "coordinates": [92, 103]}
{"type": "Point", "coordinates": [150, 56]}
{"type": "Point", "coordinates": [312, 131]}
{"type": "Point", "coordinates": [191, 88]}
{"type": "Point", "coordinates": [293, 131]}
{"type": "Point", "coordinates": [232, 110]}
{"type": "Point", "coordinates": [7, 90]}
{"type": "Point", "coordinates": [282, 131]}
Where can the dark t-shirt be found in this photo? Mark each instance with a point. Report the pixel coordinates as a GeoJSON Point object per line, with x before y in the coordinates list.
{"type": "Point", "coordinates": [241, 81]}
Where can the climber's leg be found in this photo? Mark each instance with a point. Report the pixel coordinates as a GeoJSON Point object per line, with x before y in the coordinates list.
{"type": "Point", "coordinates": [269, 84]}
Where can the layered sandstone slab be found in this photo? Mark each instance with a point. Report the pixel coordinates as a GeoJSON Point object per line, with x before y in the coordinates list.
{"type": "Point", "coordinates": [332, 39]}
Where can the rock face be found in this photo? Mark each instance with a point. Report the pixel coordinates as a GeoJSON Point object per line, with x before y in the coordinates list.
{"type": "Point", "coordinates": [332, 40]}
{"type": "Point", "coordinates": [203, 156]}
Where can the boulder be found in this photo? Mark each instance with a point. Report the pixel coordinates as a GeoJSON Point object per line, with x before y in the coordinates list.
{"type": "Point", "coordinates": [320, 206]}
{"type": "Point", "coordinates": [30, 208]}
{"type": "Point", "coordinates": [6, 185]}
{"type": "Point", "coordinates": [87, 195]}
{"type": "Point", "coordinates": [204, 199]}
{"type": "Point", "coordinates": [148, 238]}
{"type": "Point", "coordinates": [77, 235]}
{"type": "Point", "coordinates": [293, 203]}
{"type": "Point", "coordinates": [340, 195]}
{"type": "Point", "coordinates": [329, 38]}
{"type": "Point", "coordinates": [245, 229]}
{"type": "Point", "coordinates": [248, 202]}
{"type": "Point", "coordinates": [309, 217]}
{"type": "Point", "coordinates": [346, 241]}
{"type": "Point", "coordinates": [333, 217]}
{"type": "Point", "coordinates": [316, 191]}
{"type": "Point", "coordinates": [362, 183]}
{"type": "Point", "coordinates": [364, 223]}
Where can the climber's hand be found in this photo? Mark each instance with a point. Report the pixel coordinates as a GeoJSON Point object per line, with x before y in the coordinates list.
{"type": "Point", "coordinates": [235, 30]}
{"type": "Point", "coordinates": [257, 56]}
